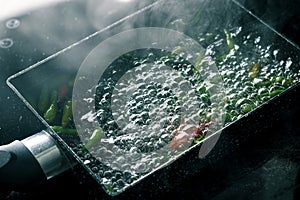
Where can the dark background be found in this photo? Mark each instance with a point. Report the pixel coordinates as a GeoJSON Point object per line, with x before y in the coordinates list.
{"type": "Point", "coordinates": [269, 172]}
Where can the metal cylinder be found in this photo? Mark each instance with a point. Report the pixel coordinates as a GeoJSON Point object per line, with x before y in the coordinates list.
{"type": "Point", "coordinates": [47, 153]}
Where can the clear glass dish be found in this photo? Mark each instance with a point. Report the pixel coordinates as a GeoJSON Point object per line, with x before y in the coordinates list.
{"type": "Point", "coordinates": [133, 97]}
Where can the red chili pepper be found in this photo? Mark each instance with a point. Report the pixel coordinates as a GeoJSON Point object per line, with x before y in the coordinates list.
{"type": "Point", "coordinates": [62, 92]}
{"type": "Point", "coordinates": [186, 132]}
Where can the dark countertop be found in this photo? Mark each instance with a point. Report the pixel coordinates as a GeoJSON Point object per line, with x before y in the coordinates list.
{"type": "Point", "coordinates": [275, 175]}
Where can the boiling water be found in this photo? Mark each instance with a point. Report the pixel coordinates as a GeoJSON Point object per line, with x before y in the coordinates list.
{"type": "Point", "coordinates": [140, 110]}
{"type": "Point", "coordinates": [151, 105]}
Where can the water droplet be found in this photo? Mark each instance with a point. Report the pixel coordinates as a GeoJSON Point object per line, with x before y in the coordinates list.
{"type": "Point", "coordinates": [257, 40]}
{"type": "Point", "coordinates": [275, 52]}
{"type": "Point", "coordinates": [13, 23]}
{"type": "Point", "coordinates": [86, 162]}
{"type": "Point", "coordinates": [6, 43]}
{"type": "Point", "coordinates": [289, 62]}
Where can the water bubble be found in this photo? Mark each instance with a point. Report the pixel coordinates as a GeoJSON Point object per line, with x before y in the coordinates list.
{"type": "Point", "coordinates": [6, 43]}
{"type": "Point", "coordinates": [289, 62]}
{"type": "Point", "coordinates": [140, 167]}
{"type": "Point", "coordinates": [86, 162]}
{"type": "Point", "coordinates": [275, 52]}
{"type": "Point", "coordinates": [107, 174]}
{"type": "Point", "coordinates": [13, 23]}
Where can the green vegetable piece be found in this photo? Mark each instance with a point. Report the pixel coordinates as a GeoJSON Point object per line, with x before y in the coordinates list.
{"type": "Point", "coordinates": [97, 134]}
{"type": "Point", "coordinates": [264, 83]}
{"type": "Point", "coordinates": [60, 129]}
{"type": "Point", "coordinates": [275, 92]}
{"type": "Point", "coordinates": [246, 108]}
{"type": "Point", "coordinates": [109, 188]}
{"type": "Point", "coordinates": [178, 51]}
{"type": "Point", "coordinates": [227, 117]}
{"type": "Point", "coordinates": [67, 114]}
{"type": "Point", "coordinates": [254, 71]}
{"type": "Point", "coordinates": [263, 91]}
{"type": "Point", "coordinates": [229, 39]}
{"type": "Point", "coordinates": [286, 82]}
{"type": "Point", "coordinates": [242, 101]}
{"type": "Point", "coordinates": [43, 103]}
{"type": "Point", "coordinates": [279, 79]}
{"type": "Point", "coordinates": [50, 114]}
{"type": "Point", "coordinates": [216, 79]}
{"type": "Point", "coordinates": [199, 59]}
{"type": "Point", "coordinates": [199, 139]}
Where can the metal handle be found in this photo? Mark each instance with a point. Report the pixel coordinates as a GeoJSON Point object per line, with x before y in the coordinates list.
{"type": "Point", "coordinates": [31, 161]}
{"type": "Point", "coordinates": [48, 155]}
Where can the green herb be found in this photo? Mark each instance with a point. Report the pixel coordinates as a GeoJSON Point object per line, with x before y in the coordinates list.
{"type": "Point", "coordinates": [198, 139]}
{"type": "Point", "coordinates": [229, 39]}
{"type": "Point", "coordinates": [50, 114]}
{"type": "Point", "coordinates": [178, 51]}
{"type": "Point", "coordinates": [109, 188]}
{"type": "Point", "coordinates": [97, 134]}
{"type": "Point", "coordinates": [199, 59]}
{"type": "Point", "coordinates": [275, 92]}
{"type": "Point", "coordinates": [254, 71]}
{"type": "Point", "coordinates": [246, 108]}
{"type": "Point", "coordinates": [67, 114]}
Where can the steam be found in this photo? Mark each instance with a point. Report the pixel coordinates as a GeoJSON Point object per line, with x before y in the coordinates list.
{"type": "Point", "coordinates": [12, 8]}
{"type": "Point", "coordinates": [106, 12]}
